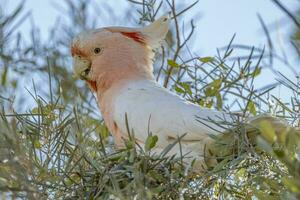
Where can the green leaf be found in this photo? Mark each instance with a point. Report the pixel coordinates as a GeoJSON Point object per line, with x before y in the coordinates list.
{"type": "Point", "coordinates": [209, 92]}
{"type": "Point", "coordinates": [179, 90]}
{"type": "Point", "coordinates": [132, 156]}
{"type": "Point", "coordinates": [4, 76]}
{"type": "Point", "coordinates": [213, 88]}
{"type": "Point", "coordinates": [37, 144]}
{"type": "Point", "coordinates": [201, 102]}
{"type": "Point", "coordinates": [279, 153]}
{"type": "Point", "coordinates": [251, 107]}
{"type": "Point", "coordinates": [129, 144]}
{"type": "Point", "coordinates": [172, 63]}
{"type": "Point", "coordinates": [219, 101]}
{"type": "Point", "coordinates": [187, 88]}
{"type": "Point", "coordinates": [150, 142]}
{"type": "Point", "coordinates": [183, 88]}
{"type": "Point", "coordinates": [207, 59]}
{"type": "Point", "coordinates": [35, 110]}
{"type": "Point", "coordinates": [216, 83]}
{"type": "Point", "coordinates": [14, 83]}
{"type": "Point", "coordinates": [256, 72]}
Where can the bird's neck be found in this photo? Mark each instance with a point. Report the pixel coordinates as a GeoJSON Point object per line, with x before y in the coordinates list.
{"type": "Point", "coordinates": [106, 97]}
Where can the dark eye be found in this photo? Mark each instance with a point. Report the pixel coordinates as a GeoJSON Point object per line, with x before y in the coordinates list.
{"type": "Point", "coordinates": [97, 50]}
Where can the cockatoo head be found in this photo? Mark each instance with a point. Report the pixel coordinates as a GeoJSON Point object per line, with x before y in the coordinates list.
{"type": "Point", "coordinates": [106, 55]}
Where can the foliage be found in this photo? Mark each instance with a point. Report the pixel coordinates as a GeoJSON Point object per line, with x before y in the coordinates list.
{"type": "Point", "coordinates": [59, 148]}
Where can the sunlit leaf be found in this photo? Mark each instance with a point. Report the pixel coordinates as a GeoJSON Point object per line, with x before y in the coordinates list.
{"type": "Point", "coordinates": [219, 101]}
{"type": "Point", "coordinates": [207, 59]}
{"type": "Point", "coordinates": [172, 63]}
{"type": "Point", "coordinates": [187, 88]}
{"type": "Point", "coordinates": [256, 72]}
{"type": "Point", "coordinates": [251, 107]}
{"type": "Point", "coordinates": [37, 144]}
{"type": "Point", "coordinates": [150, 142]}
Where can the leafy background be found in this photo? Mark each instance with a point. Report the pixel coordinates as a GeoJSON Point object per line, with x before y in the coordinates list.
{"type": "Point", "coordinates": [54, 144]}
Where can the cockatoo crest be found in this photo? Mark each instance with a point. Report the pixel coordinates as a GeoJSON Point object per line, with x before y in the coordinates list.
{"type": "Point", "coordinates": [151, 35]}
{"type": "Point", "coordinates": [157, 31]}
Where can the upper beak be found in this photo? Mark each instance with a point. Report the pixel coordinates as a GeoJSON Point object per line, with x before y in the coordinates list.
{"type": "Point", "coordinates": [81, 67]}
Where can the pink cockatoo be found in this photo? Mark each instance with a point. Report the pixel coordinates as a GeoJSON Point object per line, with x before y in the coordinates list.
{"type": "Point", "coordinates": [116, 62]}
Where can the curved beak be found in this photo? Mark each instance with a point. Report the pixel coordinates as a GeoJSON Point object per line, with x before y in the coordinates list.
{"type": "Point", "coordinates": [81, 67]}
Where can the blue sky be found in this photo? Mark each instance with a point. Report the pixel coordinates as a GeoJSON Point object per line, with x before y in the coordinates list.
{"type": "Point", "coordinates": [220, 19]}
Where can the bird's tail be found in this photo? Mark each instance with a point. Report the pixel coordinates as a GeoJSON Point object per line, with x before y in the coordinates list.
{"type": "Point", "coordinates": [245, 135]}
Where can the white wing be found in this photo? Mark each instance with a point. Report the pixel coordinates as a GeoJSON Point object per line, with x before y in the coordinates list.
{"type": "Point", "coordinates": [151, 108]}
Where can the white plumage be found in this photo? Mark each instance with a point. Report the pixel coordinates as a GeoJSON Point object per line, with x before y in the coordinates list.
{"type": "Point", "coordinates": [150, 108]}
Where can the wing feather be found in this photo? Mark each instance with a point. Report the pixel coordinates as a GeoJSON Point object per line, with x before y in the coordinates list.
{"type": "Point", "coordinates": [152, 108]}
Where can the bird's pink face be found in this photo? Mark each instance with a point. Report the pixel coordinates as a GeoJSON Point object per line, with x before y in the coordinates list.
{"type": "Point", "coordinates": [102, 52]}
